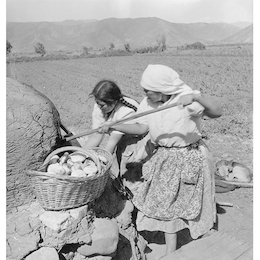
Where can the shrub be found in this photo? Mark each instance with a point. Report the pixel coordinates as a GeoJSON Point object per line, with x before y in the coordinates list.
{"type": "Point", "coordinates": [147, 49]}
{"type": "Point", "coordinates": [85, 49]}
{"type": "Point", "coordinates": [111, 46]}
{"type": "Point", "coordinates": [114, 53]}
{"type": "Point", "coordinates": [127, 47]}
{"type": "Point", "coordinates": [8, 47]}
{"type": "Point", "coordinates": [193, 46]}
{"type": "Point", "coordinates": [39, 48]}
{"type": "Point", "coordinates": [198, 46]}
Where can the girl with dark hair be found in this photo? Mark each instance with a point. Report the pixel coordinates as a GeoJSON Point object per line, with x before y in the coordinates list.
{"type": "Point", "coordinates": [111, 105]}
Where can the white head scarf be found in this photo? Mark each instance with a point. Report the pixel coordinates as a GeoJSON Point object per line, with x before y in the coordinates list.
{"type": "Point", "coordinates": [163, 79]}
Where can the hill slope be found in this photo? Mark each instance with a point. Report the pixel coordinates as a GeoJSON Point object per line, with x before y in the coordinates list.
{"type": "Point", "coordinates": [243, 36]}
{"type": "Point", "coordinates": [139, 32]}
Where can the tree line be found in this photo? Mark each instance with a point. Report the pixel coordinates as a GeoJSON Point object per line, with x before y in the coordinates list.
{"type": "Point", "coordinates": [160, 39]}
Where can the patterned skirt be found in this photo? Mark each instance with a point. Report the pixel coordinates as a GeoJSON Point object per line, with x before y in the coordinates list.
{"type": "Point", "coordinates": [172, 195]}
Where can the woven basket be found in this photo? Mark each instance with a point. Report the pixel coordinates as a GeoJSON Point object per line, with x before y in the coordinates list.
{"type": "Point", "coordinates": [55, 192]}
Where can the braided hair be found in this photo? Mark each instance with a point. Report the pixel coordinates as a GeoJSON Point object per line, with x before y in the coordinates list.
{"type": "Point", "coordinates": [108, 92]}
{"type": "Point", "coordinates": [124, 102]}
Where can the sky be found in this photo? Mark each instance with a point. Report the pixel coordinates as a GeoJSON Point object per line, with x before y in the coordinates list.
{"type": "Point", "coordinates": [176, 11]}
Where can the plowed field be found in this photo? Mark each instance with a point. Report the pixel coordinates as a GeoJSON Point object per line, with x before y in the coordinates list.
{"type": "Point", "coordinates": [224, 72]}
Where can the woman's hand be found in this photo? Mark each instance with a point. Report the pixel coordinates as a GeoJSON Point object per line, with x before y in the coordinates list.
{"type": "Point", "coordinates": [105, 128]}
{"type": "Point", "coordinates": [186, 100]}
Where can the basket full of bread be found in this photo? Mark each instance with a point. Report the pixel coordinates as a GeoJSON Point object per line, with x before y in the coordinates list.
{"type": "Point", "coordinates": [71, 177]}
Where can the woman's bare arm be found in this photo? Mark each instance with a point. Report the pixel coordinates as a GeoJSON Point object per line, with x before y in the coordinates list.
{"type": "Point", "coordinates": [213, 109]}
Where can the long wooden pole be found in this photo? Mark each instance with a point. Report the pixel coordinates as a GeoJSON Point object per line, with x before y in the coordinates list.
{"type": "Point", "coordinates": [237, 183]}
{"type": "Point", "coordinates": [123, 120]}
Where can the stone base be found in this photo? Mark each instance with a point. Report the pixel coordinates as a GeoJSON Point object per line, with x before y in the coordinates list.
{"type": "Point", "coordinates": [103, 231]}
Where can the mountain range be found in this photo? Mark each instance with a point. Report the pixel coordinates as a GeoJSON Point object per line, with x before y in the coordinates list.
{"type": "Point", "coordinates": [71, 35]}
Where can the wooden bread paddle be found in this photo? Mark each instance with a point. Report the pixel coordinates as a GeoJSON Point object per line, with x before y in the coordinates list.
{"type": "Point", "coordinates": [123, 120]}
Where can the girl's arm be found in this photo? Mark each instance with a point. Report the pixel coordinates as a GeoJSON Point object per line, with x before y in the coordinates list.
{"type": "Point", "coordinates": [94, 140]}
{"type": "Point", "coordinates": [136, 128]}
{"type": "Point", "coordinates": [213, 109]}
{"type": "Point", "coordinates": [112, 142]}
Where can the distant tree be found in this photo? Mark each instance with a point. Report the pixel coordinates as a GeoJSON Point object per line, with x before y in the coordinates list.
{"type": "Point", "coordinates": [161, 41]}
{"type": "Point", "coordinates": [39, 48]}
{"type": "Point", "coordinates": [85, 49]}
{"type": "Point", "coordinates": [111, 46]}
{"type": "Point", "coordinates": [127, 47]}
{"type": "Point", "coordinates": [8, 47]}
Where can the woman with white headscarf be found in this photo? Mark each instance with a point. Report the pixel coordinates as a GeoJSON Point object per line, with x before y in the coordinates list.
{"type": "Point", "coordinates": [177, 191]}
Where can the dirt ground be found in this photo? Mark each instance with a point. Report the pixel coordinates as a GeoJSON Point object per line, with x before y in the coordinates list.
{"type": "Point", "coordinates": [237, 220]}
{"type": "Point", "coordinates": [228, 76]}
